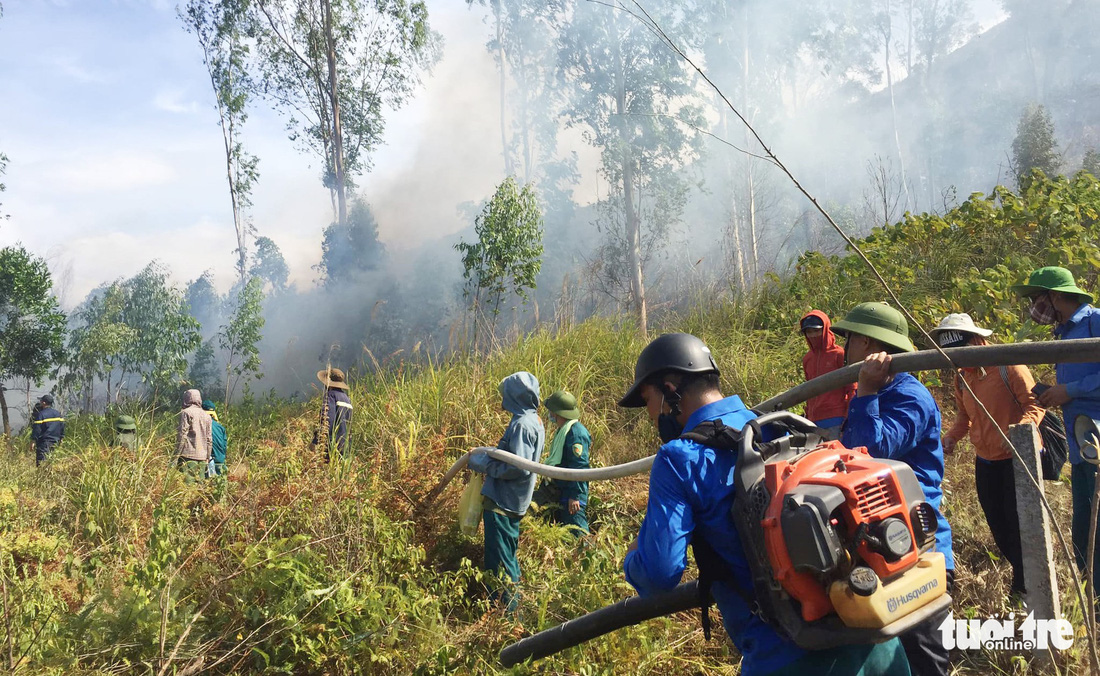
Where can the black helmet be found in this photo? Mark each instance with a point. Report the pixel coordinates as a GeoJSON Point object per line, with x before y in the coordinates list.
{"type": "Point", "coordinates": [681, 352]}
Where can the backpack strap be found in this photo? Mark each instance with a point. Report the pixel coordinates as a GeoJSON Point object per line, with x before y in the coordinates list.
{"type": "Point", "coordinates": [712, 568]}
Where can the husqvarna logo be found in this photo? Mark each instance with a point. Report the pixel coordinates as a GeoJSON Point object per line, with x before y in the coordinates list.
{"type": "Point", "coordinates": [895, 602]}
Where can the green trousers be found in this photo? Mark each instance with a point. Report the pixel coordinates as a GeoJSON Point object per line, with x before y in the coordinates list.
{"type": "Point", "coordinates": [501, 542]}
{"type": "Point", "coordinates": [880, 659]}
{"type": "Point", "coordinates": [1082, 488]}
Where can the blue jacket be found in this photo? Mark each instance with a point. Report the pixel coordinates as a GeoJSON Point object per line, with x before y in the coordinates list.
{"type": "Point", "coordinates": [574, 455]}
{"type": "Point", "coordinates": [691, 487]}
{"type": "Point", "coordinates": [1082, 381]}
{"type": "Point", "coordinates": [508, 486]}
{"type": "Point", "coordinates": [335, 416]}
{"type": "Point", "coordinates": [47, 426]}
{"type": "Point", "coordinates": [902, 422]}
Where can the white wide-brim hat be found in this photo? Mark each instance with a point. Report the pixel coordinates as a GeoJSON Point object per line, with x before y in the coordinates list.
{"type": "Point", "coordinates": [961, 323]}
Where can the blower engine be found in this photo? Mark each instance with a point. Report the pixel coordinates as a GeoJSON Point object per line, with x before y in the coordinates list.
{"type": "Point", "coordinates": [839, 543]}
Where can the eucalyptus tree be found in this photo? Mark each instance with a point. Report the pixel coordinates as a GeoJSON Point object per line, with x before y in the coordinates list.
{"type": "Point", "coordinates": [334, 67]}
{"type": "Point", "coordinates": [220, 27]}
{"type": "Point", "coordinates": [637, 103]}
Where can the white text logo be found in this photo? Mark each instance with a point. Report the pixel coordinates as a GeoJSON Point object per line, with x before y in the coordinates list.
{"type": "Point", "coordinates": [1003, 635]}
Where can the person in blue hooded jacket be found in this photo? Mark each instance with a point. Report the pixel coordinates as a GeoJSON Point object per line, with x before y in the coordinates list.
{"type": "Point", "coordinates": [507, 490]}
{"type": "Point", "coordinates": [894, 416]}
{"type": "Point", "coordinates": [691, 493]}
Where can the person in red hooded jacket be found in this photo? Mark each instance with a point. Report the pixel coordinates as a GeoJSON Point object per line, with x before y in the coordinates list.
{"type": "Point", "coordinates": [829, 409]}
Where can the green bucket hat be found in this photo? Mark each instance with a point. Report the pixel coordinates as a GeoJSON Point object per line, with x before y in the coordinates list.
{"type": "Point", "coordinates": [125, 423]}
{"type": "Point", "coordinates": [1051, 278]}
{"type": "Point", "coordinates": [564, 404]}
{"type": "Point", "coordinates": [878, 321]}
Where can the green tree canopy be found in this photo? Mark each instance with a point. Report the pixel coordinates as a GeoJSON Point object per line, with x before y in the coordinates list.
{"type": "Point", "coordinates": [269, 265]}
{"type": "Point", "coordinates": [351, 249]}
{"type": "Point", "coordinates": [1035, 146]}
{"type": "Point", "coordinates": [507, 256]}
{"type": "Point", "coordinates": [32, 326]}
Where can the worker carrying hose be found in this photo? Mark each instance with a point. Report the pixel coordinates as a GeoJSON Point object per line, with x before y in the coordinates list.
{"type": "Point", "coordinates": [566, 502]}
{"type": "Point", "coordinates": [507, 490]}
{"type": "Point", "coordinates": [895, 417]}
{"type": "Point", "coordinates": [1054, 299]}
{"type": "Point", "coordinates": [691, 490]}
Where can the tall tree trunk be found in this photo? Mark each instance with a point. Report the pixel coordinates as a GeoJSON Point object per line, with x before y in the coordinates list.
{"type": "Point", "coordinates": [886, 37]}
{"type": "Point", "coordinates": [4, 409]}
{"type": "Point", "coordinates": [738, 258]}
{"type": "Point", "coordinates": [508, 168]}
{"type": "Point", "coordinates": [525, 125]}
{"type": "Point", "coordinates": [750, 182]}
{"type": "Point", "coordinates": [337, 130]}
{"type": "Point", "coordinates": [633, 226]}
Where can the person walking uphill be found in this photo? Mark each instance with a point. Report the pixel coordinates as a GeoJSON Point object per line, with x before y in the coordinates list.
{"type": "Point", "coordinates": [507, 490]}
{"type": "Point", "coordinates": [336, 412]}
{"type": "Point", "coordinates": [829, 409]}
{"type": "Point", "coordinates": [220, 438]}
{"type": "Point", "coordinates": [568, 449]}
{"type": "Point", "coordinates": [126, 432]}
{"type": "Point", "coordinates": [1006, 394]}
{"type": "Point", "coordinates": [47, 428]}
{"type": "Point", "coordinates": [1055, 299]}
{"type": "Point", "coordinates": [895, 417]}
{"type": "Point", "coordinates": [194, 439]}
{"type": "Point", "coordinates": [691, 492]}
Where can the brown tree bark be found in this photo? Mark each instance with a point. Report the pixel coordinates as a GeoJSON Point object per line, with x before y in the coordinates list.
{"type": "Point", "coordinates": [4, 408]}
{"type": "Point", "coordinates": [337, 130]}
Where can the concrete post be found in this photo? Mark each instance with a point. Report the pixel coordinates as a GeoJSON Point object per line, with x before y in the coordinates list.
{"type": "Point", "coordinates": [1035, 533]}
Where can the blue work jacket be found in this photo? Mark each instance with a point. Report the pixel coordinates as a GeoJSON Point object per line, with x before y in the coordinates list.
{"type": "Point", "coordinates": [1082, 381]}
{"type": "Point", "coordinates": [511, 487]}
{"type": "Point", "coordinates": [47, 426]}
{"type": "Point", "coordinates": [691, 488]}
{"type": "Point", "coordinates": [902, 422]}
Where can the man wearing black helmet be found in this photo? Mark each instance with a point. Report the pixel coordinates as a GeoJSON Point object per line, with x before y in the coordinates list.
{"type": "Point", "coordinates": [691, 492]}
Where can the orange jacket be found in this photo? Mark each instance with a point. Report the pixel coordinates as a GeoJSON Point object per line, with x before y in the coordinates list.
{"type": "Point", "coordinates": [1000, 401]}
{"type": "Point", "coordinates": [825, 357]}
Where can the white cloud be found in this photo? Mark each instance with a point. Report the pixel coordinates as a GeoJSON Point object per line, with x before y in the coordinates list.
{"type": "Point", "coordinates": [114, 172]}
{"type": "Point", "coordinates": [80, 72]}
{"type": "Point", "coordinates": [172, 101]}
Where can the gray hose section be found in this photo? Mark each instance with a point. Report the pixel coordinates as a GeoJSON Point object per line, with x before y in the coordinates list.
{"type": "Point", "coordinates": [1050, 352]}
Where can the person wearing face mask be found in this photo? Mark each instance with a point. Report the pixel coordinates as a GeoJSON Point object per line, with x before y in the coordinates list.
{"type": "Point", "coordinates": [826, 410]}
{"type": "Point", "coordinates": [691, 492]}
{"type": "Point", "coordinates": [1055, 299]}
{"type": "Point", "coordinates": [1006, 393]}
{"type": "Point", "coordinates": [894, 416]}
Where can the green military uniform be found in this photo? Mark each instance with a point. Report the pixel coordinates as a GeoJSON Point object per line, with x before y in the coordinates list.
{"type": "Point", "coordinates": [569, 449]}
{"type": "Point", "coordinates": [126, 432]}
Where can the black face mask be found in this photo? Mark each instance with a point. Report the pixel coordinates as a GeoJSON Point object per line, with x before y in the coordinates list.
{"type": "Point", "coordinates": [668, 427]}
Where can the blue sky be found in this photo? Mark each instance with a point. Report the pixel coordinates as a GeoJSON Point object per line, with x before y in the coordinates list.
{"type": "Point", "coordinates": [116, 156]}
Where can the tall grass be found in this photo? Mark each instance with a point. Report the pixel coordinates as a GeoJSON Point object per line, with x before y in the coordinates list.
{"type": "Point", "coordinates": [111, 563]}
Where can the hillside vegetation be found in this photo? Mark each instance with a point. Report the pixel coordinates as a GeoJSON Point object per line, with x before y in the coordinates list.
{"type": "Point", "coordinates": [110, 563]}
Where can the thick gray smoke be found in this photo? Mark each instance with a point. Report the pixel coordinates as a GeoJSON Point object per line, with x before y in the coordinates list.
{"type": "Point", "coordinates": [875, 113]}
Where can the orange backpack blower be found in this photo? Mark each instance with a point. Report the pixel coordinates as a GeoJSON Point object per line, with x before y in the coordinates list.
{"type": "Point", "coordinates": [839, 543]}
